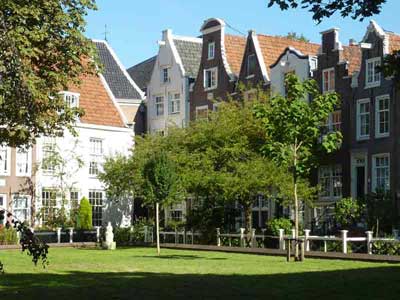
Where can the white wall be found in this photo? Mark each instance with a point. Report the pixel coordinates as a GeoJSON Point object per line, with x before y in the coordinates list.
{"type": "Point", "coordinates": [114, 140]}
{"type": "Point", "coordinates": [290, 63]}
{"type": "Point", "coordinates": [166, 58]}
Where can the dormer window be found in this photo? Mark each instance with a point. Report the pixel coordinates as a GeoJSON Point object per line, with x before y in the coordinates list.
{"type": "Point", "coordinates": [165, 75]}
{"type": "Point", "coordinates": [372, 74]}
{"type": "Point", "coordinates": [71, 99]}
{"type": "Point", "coordinates": [211, 50]}
{"type": "Point", "coordinates": [328, 80]}
{"type": "Point", "coordinates": [251, 64]}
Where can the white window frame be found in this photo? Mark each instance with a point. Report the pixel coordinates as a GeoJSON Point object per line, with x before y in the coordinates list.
{"type": "Point", "coordinates": [375, 61]}
{"type": "Point", "coordinates": [97, 204]}
{"type": "Point", "coordinates": [28, 163]}
{"type": "Point", "coordinates": [72, 95]}
{"type": "Point", "coordinates": [6, 171]}
{"type": "Point", "coordinates": [48, 203]}
{"type": "Point", "coordinates": [358, 120]}
{"type": "Point", "coordinates": [374, 170]}
{"type": "Point", "coordinates": [214, 83]}
{"type": "Point", "coordinates": [49, 145]}
{"type": "Point", "coordinates": [174, 103]}
{"type": "Point", "coordinates": [379, 134]}
{"type": "Point", "coordinates": [202, 107]}
{"type": "Point", "coordinates": [95, 155]}
{"type": "Point", "coordinates": [165, 75]}
{"type": "Point", "coordinates": [4, 204]}
{"type": "Point", "coordinates": [329, 87]}
{"type": "Point", "coordinates": [211, 51]}
{"type": "Point", "coordinates": [332, 170]}
{"type": "Point", "coordinates": [26, 209]}
{"type": "Point", "coordinates": [159, 105]}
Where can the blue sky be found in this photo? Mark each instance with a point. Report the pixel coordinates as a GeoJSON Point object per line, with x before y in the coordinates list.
{"type": "Point", "coordinates": [134, 26]}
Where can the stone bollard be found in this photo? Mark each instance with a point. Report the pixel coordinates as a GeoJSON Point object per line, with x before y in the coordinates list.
{"type": "Point", "coordinates": [242, 243]}
{"type": "Point", "coordinates": [253, 238]}
{"type": "Point", "coordinates": [58, 235]}
{"type": "Point", "coordinates": [325, 246]}
{"type": "Point", "coordinates": [71, 235]}
{"type": "Point", "coordinates": [369, 241]}
{"type": "Point", "coordinates": [218, 237]}
{"type": "Point", "coordinates": [281, 239]}
{"type": "Point", "coordinates": [98, 234]}
{"type": "Point", "coordinates": [344, 241]}
{"type": "Point", "coordinates": [293, 233]}
{"type": "Point", "coordinates": [306, 239]}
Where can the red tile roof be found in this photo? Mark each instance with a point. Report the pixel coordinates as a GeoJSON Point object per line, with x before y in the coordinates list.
{"type": "Point", "coordinates": [352, 54]}
{"type": "Point", "coordinates": [273, 46]}
{"type": "Point", "coordinates": [96, 102]}
{"type": "Point", "coordinates": [394, 42]}
{"type": "Point", "coordinates": [235, 47]}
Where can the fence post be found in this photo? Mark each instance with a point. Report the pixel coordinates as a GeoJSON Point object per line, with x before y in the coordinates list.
{"type": "Point", "coordinates": [253, 238]}
{"type": "Point", "coordinates": [145, 233]}
{"type": "Point", "coordinates": [242, 243]}
{"type": "Point", "coordinates": [293, 233]}
{"type": "Point", "coordinates": [396, 233]}
{"type": "Point", "coordinates": [98, 234]}
{"type": "Point", "coordinates": [192, 237]}
{"type": "Point", "coordinates": [184, 236]}
{"type": "Point", "coordinates": [281, 239]}
{"type": "Point", "coordinates": [58, 235]}
{"type": "Point", "coordinates": [18, 237]}
{"type": "Point", "coordinates": [306, 239]}
{"type": "Point", "coordinates": [325, 246]}
{"type": "Point", "coordinates": [218, 237]}
{"type": "Point", "coordinates": [131, 236]}
{"type": "Point", "coordinates": [263, 236]}
{"type": "Point", "coordinates": [344, 241]}
{"type": "Point", "coordinates": [71, 235]}
{"type": "Point", "coordinates": [369, 241]}
{"type": "Point", "coordinates": [176, 236]}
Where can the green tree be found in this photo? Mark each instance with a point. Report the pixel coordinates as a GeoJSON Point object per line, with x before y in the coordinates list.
{"type": "Point", "coordinates": [85, 214]}
{"type": "Point", "coordinates": [160, 185]}
{"type": "Point", "coordinates": [292, 126]}
{"type": "Point", "coordinates": [348, 211]}
{"type": "Point", "coordinates": [42, 51]}
{"type": "Point", "coordinates": [356, 9]}
{"type": "Point", "coordinates": [297, 37]}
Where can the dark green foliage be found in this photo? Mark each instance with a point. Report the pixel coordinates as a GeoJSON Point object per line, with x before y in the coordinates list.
{"type": "Point", "coordinates": [348, 212]}
{"type": "Point", "coordinates": [274, 225]}
{"type": "Point", "coordinates": [85, 215]}
{"type": "Point", "coordinates": [356, 9]}
{"type": "Point", "coordinates": [133, 235]}
{"type": "Point", "coordinates": [391, 66]}
{"type": "Point", "coordinates": [386, 247]}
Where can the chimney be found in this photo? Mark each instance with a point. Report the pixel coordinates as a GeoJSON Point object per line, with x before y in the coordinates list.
{"type": "Point", "coordinates": [330, 40]}
{"type": "Point", "coordinates": [352, 42]}
{"type": "Point", "coordinates": [165, 34]}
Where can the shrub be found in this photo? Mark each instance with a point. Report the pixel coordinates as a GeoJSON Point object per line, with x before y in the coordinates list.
{"type": "Point", "coordinates": [386, 247]}
{"type": "Point", "coordinates": [348, 212]}
{"type": "Point", "coordinates": [85, 215]}
{"type": "Point", "coordinates": [8, 236]}
{"type": "Point", "coordinates": [274, 225]}
{"type": "Point", "coordinates": [131, 235]}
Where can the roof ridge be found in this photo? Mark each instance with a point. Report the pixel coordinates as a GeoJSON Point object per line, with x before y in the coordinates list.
{"type": "Point", "coordinates": [143, 62]}
{"type": "Point", "coordinates": [187, 38]}
{"type": "Point", "coordinates": [288, 39]}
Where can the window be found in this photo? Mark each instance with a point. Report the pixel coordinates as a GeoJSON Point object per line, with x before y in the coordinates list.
{"type": "Point", "coordinates": [23, 161]}
{"type": "Point", "coordinates": [328, 80]}
{"type": "Point", "coordinates": [334, 122]}
{"type": "Point", "coordinates": [381, 172]}
{"type": "Point", "coordinates": [96, 154]}
{"type": "Point", "coordinates": [174, 100]}
{"type": "Point", "coordinates": [251, 64]}
{"type": "Point", "coordinates": [3, 201]}
{"type": "Point", "coordinates": [211, 50]}
{"type": "Point", "coordinates": [165, 75]}
{"type": "Point", "coordinates": [74, 199]}
{"type": "Point", "coordinates": [49, 204]}
{"type": "Point", "coordinates": [48, 152]}
{"type": "Point", "coordinates": [71, 99]}
{"type": "Point", "coordinates": [96, 200]}
{"type": "Point", "coordinates": [20, 207]}
{"type": "Point", "coordinates": [176, 212]}
{"type": "Point", "coordinates": [382, 116]}
{"type": "Point", "coordinates": [5, 157]}
{"type": "Point", "coordinates": [372, 76]}
{"type": "Point", "coordinates": [363, 111]}
{"type": "Point", "coordinates": [330, 179]}
{"type": "Point", "coordinates": [202, 112]}
{"type": "Point", "coordinates": [210, 79]}
{"type": "Point", "coordinates": [159, 105]}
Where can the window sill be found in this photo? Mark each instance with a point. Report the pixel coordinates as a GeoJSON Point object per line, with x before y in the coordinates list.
{"type": "Point", "coordinates": [372, 85]}
{"type": "Point", "coordinates": [250, 76]}
{"type": "Point", "coordinates": [382, 135]}
{"type": "Point", "coordinates": [362, 138]}
{"type": "Point", "coordinates": [210, 89]}
{"type": "Point", "coordinates": [174, 113]}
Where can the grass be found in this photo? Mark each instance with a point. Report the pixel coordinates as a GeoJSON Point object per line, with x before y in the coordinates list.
{"type": "Point", "coordinates": [139, 274]}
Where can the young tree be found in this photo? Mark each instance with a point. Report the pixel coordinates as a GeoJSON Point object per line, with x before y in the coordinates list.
{"type": "Point", "coordinates": [42, 51]}
{"type": "Point", "coordinates": [292, 126]}
{"type": "Point", "coordinates": [85, 214]}
{"type": "Point", "coordinates": [160, 185]}
{"type": "Point", "coordinates": [357, 9]}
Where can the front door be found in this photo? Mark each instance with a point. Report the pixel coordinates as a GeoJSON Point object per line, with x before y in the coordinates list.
{"type": "Point", "coordinates": [360, 173]}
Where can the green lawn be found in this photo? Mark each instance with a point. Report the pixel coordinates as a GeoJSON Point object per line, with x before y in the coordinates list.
{"type": "Point", "coordinates": [139, 274]}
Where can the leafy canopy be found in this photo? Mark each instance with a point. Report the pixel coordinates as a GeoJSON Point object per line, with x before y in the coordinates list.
{"type": "Point", "coordinates": [42, 52]}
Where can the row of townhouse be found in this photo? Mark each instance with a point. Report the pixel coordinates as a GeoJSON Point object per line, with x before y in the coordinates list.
{"type": "Point", "coordinates": [188, 75]}
{"type": "Point", "coordinates": [32, 186]}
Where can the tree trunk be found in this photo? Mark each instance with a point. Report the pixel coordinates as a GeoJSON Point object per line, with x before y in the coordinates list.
{"type": "Point", "coordinates": [158, 229]}
{"type": "Point", "coordinates": [296, 221]}
{"type": "Point", "coordinates": [248, 218]}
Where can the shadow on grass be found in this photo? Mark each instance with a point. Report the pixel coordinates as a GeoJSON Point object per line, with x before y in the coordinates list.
{"type": "Point", "coordinates": [369, 283]}
{"type": "Point", "coordinates": [182, 257]}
